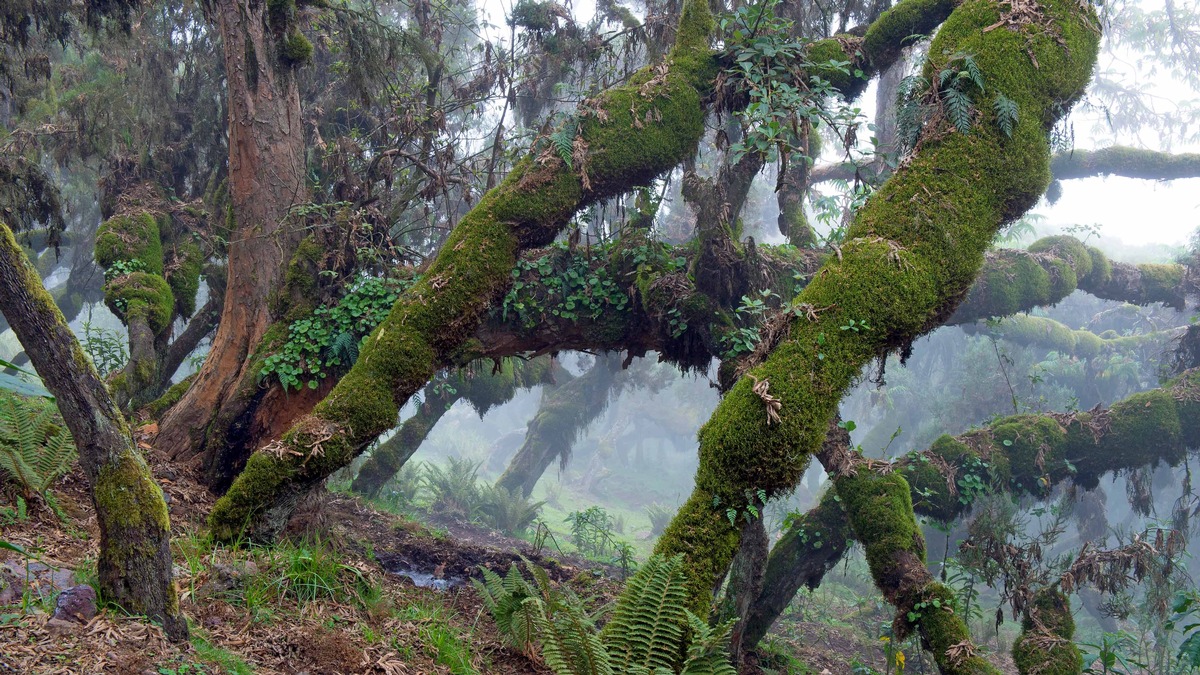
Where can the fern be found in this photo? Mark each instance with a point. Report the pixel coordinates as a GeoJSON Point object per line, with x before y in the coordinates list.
{"type": "Point", "coordinates": [958, 109]}
{"type": "Point", "coordinates": [344, 348]}
{"type": "Point", "coordinates": [35, 448]}
{"type": "Point", "coordinates": [505, 600]}
{"type": "Point", "coordinates": [911, 111]}
{"type": "Point", "coordinates": [563, 140]}
{"type": "Point", "coordinates": [1007, 114]}
{"type": "Point", "coordinates": [647, 626]}
{"type": "Point", "coordinates": [647, 634]}
{"type": "Point", "coordinates": [707, 655]}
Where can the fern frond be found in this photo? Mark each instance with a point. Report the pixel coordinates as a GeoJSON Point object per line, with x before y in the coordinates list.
{"type": "Point", "coordinates": [708, 653]}
{"type": "Point", "coordinates": [958, 109]}
{"type": "Point", "coordinates": [35, 447]}
{"type": "Point", "coordinates": [1007, 114]}
{"type": "Point", "coordinates": [563, 140]}
{"type": "Point", "coordinates": [647, 627]}
{"type": "Point", "coordinates": [344, 347]}
{"type": "Point", "coordinates": [973, 72]}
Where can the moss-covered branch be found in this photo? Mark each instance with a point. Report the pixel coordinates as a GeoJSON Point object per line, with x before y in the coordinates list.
{"type": "Point", "coordinates": [432, 320]}
{"type": "Point", "coordinates": [1052, 268]}
{"type": "Point", "coordinates": [1126, 162]}
{"type": "Point", "coordinates": [1071, 164]}
{"type": "Point", "coordinates": [1023, 455]}
{"type": "Point", "coordinates": [910, 256]}
{"type": "Point", "coordinates": [1046, 333]}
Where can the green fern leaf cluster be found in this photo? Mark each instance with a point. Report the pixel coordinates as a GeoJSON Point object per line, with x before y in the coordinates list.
{"type": "Point", "coordinates": [649, 632]}
{"type": "Point", "coordinates": [344, 347]}
{"type": "Point", "coordinates": [563, 140]}
{"type": "Point", "coordinates": [35, 447]}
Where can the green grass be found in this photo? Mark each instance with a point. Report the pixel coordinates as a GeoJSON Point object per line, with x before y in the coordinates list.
{"type": "Point", "coordinates": [440, 640]}
{"type": "Point", "coordinates": [227, 661]}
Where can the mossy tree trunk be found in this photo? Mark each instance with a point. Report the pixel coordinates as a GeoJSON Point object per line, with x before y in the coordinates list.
{"type": "Point", "coordinates": [135, 532]}
{"type": "Point", "coordinates": [430, 323]}
{"type": "Point", "coordinates": [564, 413]}
{"type": "Point", "coordinates": [267, 176]}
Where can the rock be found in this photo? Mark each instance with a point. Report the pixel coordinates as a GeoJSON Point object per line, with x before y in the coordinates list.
{"type": "Point", "coordinates": [62, 627]}
{"type": "Point", "coordinates": [39, 580]}
{"type": "Point", "coordinates": [224, 578]}
{"type": "Point", "coordinates": [76, 604]}
{"type": "Point", "coordinates": [10, 588]}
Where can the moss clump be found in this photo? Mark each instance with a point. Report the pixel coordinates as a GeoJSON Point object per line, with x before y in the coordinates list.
{"type": "Point", "coordinates": [1070, 248]}
{"type": "Point", "coordinates": [1045, 645]}
{"type": "Point", "coordinates": [295, 49]}
{"type": "Point", "coordinates": [1161, 281]}
{"type": "Point", "coordinates": [157, 407]}
{"type": "Point", "coordinates": [141, 296]}
{"type": "Point", "coordinates": [184, 279]}
{"type": "Point", "coordinates": [881, 513]}
{"type": "Point", "coordinates": [126, 238]}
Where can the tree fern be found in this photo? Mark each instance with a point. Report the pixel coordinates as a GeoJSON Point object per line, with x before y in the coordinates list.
{"type": "Point", "coordinates": [647, 627]}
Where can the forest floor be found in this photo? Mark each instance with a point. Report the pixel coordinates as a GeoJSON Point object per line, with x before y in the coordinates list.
{"type": "Point", "coordinates": [340, 594]}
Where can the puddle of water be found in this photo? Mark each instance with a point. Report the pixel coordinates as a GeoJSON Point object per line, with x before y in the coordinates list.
{"type": "Point", "coordinates": [423, 580]}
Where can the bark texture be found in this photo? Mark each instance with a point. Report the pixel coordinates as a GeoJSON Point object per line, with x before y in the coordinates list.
{"type": "Point", "coordinates": [266, 177]}
{"type": "Point", "coordinates": [135, 533]}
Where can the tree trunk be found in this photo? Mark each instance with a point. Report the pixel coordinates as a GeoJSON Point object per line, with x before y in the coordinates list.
{"type": "Point", "coordinates": [266, 178]}
{"type": "Point", "coordinates": [135, 531]}
{"type": "Point", "coordinates": [565, 412]}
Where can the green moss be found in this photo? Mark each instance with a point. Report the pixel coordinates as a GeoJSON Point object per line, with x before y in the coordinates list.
{"type": "Point", "coordinates": [184, 279]}
{"type": "Point", "coordinates": [1143, 429]}
{"type": "Point", "coordinates": [141, 295]}
{"type": "Point", "coordinates": [295, 49]}
{"type": "Point", "coordinates": [881, 513]}
{"type": "Point", "coordinates": [1033, 653]}
{"type": "Point", "coordinates": [160, 405]}
{"type": "Point", "coordinates": [1161, 282]}
{"type": "Point", "coordinates": [127, 497]}
{"type": "Point", "coordinates": [1101, 268]}
{"type": "Point", "coordinates": [1070, 248]}
{"type": "Point", "coordinates": [913, 249]}
{"type": "Point", "coordinates": [125, 238]}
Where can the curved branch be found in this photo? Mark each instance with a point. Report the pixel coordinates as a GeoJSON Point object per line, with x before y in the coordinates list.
{"type": "Point", "coordinates": [616, 150]}
{"type": "Point", "coordinates": [1047, 333]}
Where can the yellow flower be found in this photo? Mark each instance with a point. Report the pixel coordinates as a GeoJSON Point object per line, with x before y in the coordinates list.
{"type": "Point", "coordinates": [899, 663]}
